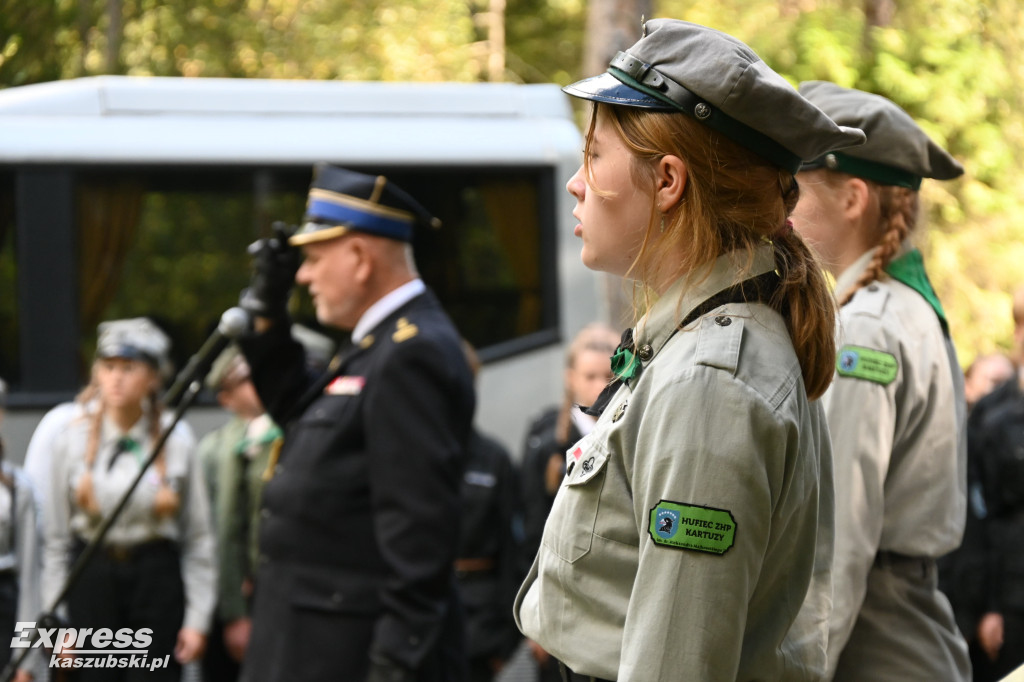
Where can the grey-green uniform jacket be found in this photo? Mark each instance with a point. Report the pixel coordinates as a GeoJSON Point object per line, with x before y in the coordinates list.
{"type": "Point", "coordinates": [190, 528]}
{"type": "Point", "coordinates": [683, 539]}
{"type": "Point", "coordinates": [896, 412]}
{"type": "Point", "coordinates": [228, 458]}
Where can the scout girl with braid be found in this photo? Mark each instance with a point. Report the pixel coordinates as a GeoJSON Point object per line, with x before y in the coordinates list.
{"type": "Point", "coordinates": [695, 517]}
{"type": "Point", "coordinates": [896, 410]}
{"type": "Point", "coordinates": [155, 568]}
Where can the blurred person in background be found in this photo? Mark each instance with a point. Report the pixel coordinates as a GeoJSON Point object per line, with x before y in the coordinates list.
{"type": "Point", "coordinates": [156, 567]}
{"type": "Point", "coordinates": [587, 372]}
{"type": "Point", "coordinates": [489, 566]}
{"type": "Point", "coordinates": [20, 556]}
{"type": "Point", "coordinates": [984, 374]}
{"type": "Point", "coordinates": [995, 443]}
{"type": "Point", "coordinates": [236, 459]}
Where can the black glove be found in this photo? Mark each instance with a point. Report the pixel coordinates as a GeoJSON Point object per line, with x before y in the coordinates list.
{"type": "Point", "coordinates": [385, 670]}
{"type": "Point", "coordinates": [275, 263]}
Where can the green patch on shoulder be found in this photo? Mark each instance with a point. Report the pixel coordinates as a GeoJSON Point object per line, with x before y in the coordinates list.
{"type": "Point", "coordinates": [693, 527]}
{"type": "Point", "coordinates": [867, 364]}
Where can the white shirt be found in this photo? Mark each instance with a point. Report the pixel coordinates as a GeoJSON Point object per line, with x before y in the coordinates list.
{"type": "Point", "coordinates": [386, 305]}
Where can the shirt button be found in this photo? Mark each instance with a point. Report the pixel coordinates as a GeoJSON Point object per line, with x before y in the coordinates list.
{"type": "Point", "coordinates": [723, 321]}
{"type": "Point", "coordinates": [873, 288]}
{"type": "Point", "coordinates": [645, 352]}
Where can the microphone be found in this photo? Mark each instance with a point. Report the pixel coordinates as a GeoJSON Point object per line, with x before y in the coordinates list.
{"type": "Point", "coordinates": [234, 323]}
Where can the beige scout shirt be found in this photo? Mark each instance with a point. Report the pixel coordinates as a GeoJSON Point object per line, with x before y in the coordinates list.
{"type": "Point", "coordinates": [718, 419]}
{"type": "Point", "coordinates": [191, 528]}
{"type": "Point", "coordinates": [898, 454]}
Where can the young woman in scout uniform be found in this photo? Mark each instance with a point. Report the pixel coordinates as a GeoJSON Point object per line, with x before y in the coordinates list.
{"type": "Point", "coordinates": [691, 521]}
{"type": "Point", "coordinates": [155, 568]}
{"type": "Point", "coordinates": [896, 409]}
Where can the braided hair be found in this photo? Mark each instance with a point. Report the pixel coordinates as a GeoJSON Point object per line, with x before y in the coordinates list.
{"type": "Point", "coordinates": [898, 210]}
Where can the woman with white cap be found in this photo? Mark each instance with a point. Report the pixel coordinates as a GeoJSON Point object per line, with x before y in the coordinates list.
{"type": "Point", "coordinates": [896, 410]}
{"type": "Point", "coordinates": [694, 518]}
{"type": "Point", "coordinates": [155, 568]}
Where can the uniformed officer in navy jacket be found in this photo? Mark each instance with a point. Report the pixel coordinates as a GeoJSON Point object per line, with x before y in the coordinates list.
{"type": "Point", "coordinates": [360, 522]}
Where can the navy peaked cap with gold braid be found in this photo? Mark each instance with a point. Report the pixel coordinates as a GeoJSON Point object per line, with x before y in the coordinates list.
{"type": "Point", "coordinates": [341, 200]}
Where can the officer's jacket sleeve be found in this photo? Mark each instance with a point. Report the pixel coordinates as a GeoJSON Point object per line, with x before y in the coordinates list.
{"type": "Point", "coordinates": [418, 412]}
{"type": "Point", "coordinates": [279, 371]}
{"type": "Point", "coordinates": [862, 418]}
{"type": "Point", "coordinates": [707, 440]}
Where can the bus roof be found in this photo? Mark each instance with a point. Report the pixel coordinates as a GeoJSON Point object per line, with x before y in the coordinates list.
{"type": "Point", "coordinates": [128, 120]}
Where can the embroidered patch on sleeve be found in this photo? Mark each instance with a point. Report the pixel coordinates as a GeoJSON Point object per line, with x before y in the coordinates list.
{"type": "Point", "coordinates": [691, 526]}
{"type": "Point", "coordinates": [865, 363]}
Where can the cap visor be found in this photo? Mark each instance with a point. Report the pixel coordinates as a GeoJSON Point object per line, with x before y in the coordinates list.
{"type": "Point", "coordinates": [610, 90]}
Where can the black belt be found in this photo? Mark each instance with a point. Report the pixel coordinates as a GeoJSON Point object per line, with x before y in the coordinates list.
{"type": "Point", "coordinates": [126, 553]}
{"type": "Point", "coordinates": [915, 565]}
{"type": "Point", "coordinates": [570, 676]}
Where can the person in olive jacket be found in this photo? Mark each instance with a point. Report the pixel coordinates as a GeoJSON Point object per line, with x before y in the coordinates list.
{"type": "Point", "coordinates": [360, 522]}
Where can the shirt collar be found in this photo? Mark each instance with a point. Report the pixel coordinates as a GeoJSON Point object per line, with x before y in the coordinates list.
{"type": "Point", "coordinates": [386, 305]}
{"type": "Point", "coordinates": [655, 328]}
{"type": "Point", "coordinates": [111, 433]}
{"type": "Point", "coordinates": [848, 277]}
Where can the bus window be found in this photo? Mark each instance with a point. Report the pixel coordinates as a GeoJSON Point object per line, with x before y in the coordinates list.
{"type": "Point", "coordinates": [170, 243]}
{"type": "Point", "coordinates": [8, 282]}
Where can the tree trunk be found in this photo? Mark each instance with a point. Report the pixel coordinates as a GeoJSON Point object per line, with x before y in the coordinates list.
{"type": "Point", "coordinates": [114, 35]}
{"type": "Point", "coordinates": [879, 12]}
{"type": "Point", "coordinates": [496, 41]}
{"type": "Point", "coordinates": [612, 25]}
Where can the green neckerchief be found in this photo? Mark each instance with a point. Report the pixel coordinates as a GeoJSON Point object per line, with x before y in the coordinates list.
{"type": "Point", "coordinates": [268, 436]}
{"type": "Point", "coordinates": [128, 444]}
{"type": "Point", "coordinates": [909, 269]}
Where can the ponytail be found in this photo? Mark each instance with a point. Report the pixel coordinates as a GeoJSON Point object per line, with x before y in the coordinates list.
{"type": "Point", "coordinates": [807, 306]}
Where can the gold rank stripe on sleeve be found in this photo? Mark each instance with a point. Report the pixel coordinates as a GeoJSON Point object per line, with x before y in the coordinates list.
{"type": "Point", "coordinates": [868, 364]}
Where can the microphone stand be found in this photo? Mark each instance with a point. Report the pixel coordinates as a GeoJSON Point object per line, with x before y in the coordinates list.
{"type": "Point", "coordinates": [186, 387]}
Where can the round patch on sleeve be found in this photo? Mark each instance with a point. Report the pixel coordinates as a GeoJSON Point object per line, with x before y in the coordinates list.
{"type": "Point", "coordinates": [693, 527]}
{"type": "Point", "coordinates": [867, 364]}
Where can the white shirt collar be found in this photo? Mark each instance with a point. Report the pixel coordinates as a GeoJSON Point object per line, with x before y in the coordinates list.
{"type": "Point", "coordinates": [386, 305]}
{"type": "Point", "coordinates": [584, 422]}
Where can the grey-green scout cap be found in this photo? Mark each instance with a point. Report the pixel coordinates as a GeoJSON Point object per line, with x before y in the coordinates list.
{"type": "Point", "coordinates": [897, 152]}
{"type": "Point", "coordinates": [679, 66]}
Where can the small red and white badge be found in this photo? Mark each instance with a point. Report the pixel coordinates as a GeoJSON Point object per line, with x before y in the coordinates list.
{"type": "Point", "coordinates": [345, 386]}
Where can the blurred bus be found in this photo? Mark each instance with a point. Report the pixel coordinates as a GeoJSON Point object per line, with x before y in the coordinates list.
{"type": "Point", "coordinates": [127, 196]}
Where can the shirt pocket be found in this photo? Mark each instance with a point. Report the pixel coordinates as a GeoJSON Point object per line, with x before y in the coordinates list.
{"type": "Point", "coordinates": [569, 531]}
